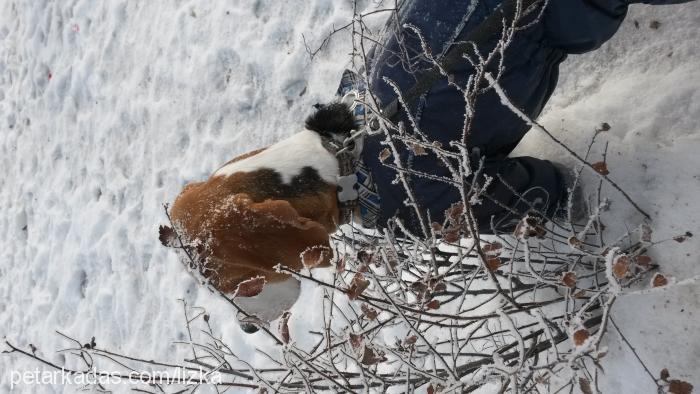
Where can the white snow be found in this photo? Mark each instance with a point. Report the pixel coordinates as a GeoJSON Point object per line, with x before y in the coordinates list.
{"type": "Point", "coordinates": [107, 108]}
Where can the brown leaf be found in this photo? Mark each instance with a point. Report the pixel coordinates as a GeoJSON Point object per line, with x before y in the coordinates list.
{"type": "Point", "coordinates": [340, 265]}
{"type": "Point", "coordinates": [439, 286]}
{"type": "Point", "coordinates": [316, 255]}
{"type": "Point", "coordinates": [493, 263]}
{"type": "Point", "coordinates": [679, 387]}
{"type": "Point", "coordinates": [419, 288]}
{"type": "Point", "coordinates": [371, 356]}
{"type": "Point", "coordinates": [417, 149]}
{"type": "Point", "coordinates": [580, 336]}
{"type": "Point", "coordinates": [283, 327]}
{"type": "Point", "coordinates": [658, 280]}
{"type": "Point", "coordinates": [601, 168]}
{"type": "Point", "coordinates": [384, 154]}
{"type": "Point", "coordinates": [580, 294]}
{"type": "Point", "coordinates": [167, 236]}
{"type": "Point", "coordinates": [410, 340]}
{"type": "Point", "coordinates": [665, 374]}
{"type": "Point", "coordinates": [437, 227]}
{"type": "Point", "coordinates": [250, 287]}
{"type": "Point", "coordinates": [369, 313]}
{"type": "Point", "coordinates": [436, 389]}
{"type": "Point", "coordinates": [355, 341]}
{"type": "Point", "coordinates": [646, 233]}
{"type": "Point", "coordinates": [621, 267]}
{"type": "Point", "coordinates": [569, 279]}
{"type": "Point", "coordinates": [434, 304]}
{"type": "Point", "coordinates": [493, 248]}
{"type": "Point", "coordinates": [455, 211]}
{"type": "Point", "coordinates": [357, 286]}
{"type": "Point", "coordinates": [683, 238]}
{"type": "Point", "coordinates": [530, 226]}
{"type": "Point", "coordinates": [365, 257]}
{"type": "Point", "coordinates": [585, 386]}
{"type": "Point", "coordinates": [604, 126]}
{"type": "Point", "coordinates": [643, 260]}
{"type": "Point", "coordinates": [451, 236]}
{"type": "Point", "coordinates": [575, 243]}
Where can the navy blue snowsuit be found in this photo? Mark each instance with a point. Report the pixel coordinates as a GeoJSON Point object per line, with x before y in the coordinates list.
{"type": "Point", "coordinates": [531, 71]}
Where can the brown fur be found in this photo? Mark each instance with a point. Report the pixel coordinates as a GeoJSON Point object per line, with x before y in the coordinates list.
{"type": "Point", "coordinates": [248, 223]}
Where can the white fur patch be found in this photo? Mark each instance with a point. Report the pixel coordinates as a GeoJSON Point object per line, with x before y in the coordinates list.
{"type": "Point", "coordinates": [288, 157]}
{"type": "Point", "coordinates": [274, 299]}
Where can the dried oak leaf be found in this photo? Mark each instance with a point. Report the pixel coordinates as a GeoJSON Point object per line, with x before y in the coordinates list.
{"type": "Point", "coordinates": [384, 154]}
{"type": "Point", "coordinates": [601, 167]}
{"type": "Point", "coordinates": [435, 389]}
{"type": "Point", "coordinates": [575, 243]}
{"type": "Point", "coordinates": [646, 233]}
{"type": "Point", "coordinates": [493, 248]}
{"type": "Point", "coordinates": [683, 238]}
{"type": "Point", "coordinates": [665, 374]}
{"type": "Point", "coordinates": [316, 255]}
{"type": "Point", "coordinates": [418, 149]}
{"type": "Point", "coordinates": [251, 287]}
{"type": "Point", "coordinates": [419, 288]}
{"type": "Point", "coordinates": [365, 257]}
{"type": "Point", "coordinates": [438, 285]}
{"type": "Point", "coordinates": [355, 340]}
{"type": "Point", "coordinates": [437, 227]}
{"type": "Point", "coordinates": [493, 263]}
{"type": "Point", "coordinates": [569, 279]}
{"type": "Point", "coordinates": [643, 261]}
{"type": "Point", "coordinates": [283, 327]}
{"type": "Point", "coordinates": [530, 226]}
{"type": "Point", "coordinates": [451, 235]}
{"type": "Point", "coordinates": [580, 336]}
{"type": "Point", "coordinates": [410, 340]}
{"type": "Point", "coordinates": [658, 280]}
{"type": "Point", "coordinates": [455, 211]}
{"type": "Point", "coordinates": [679, 387]}
{"type": "Point", "coordinates": [621, 267]}
{"type": "Point", "coordinates": [585, 386]}
{"type": "Point", "coordinates": [357, 286]}
{"type": "Point", "coordinates": [368, 312]}
{"type": "Point", "coordinates": [434, 304]}
{"type": "Point", "coordinates": [167, 236]}
{"type": "Point", "coordinates": [371, 356]}
{"type": "Point", "coordinates": [340, 265]}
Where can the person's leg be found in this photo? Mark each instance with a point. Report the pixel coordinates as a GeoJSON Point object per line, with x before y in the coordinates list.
{"type": "Point", "coordinates": [530, 73]}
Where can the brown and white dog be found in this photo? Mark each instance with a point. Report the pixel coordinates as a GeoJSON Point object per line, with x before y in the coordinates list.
{"type": "Point", "coordinates": [276, 205]}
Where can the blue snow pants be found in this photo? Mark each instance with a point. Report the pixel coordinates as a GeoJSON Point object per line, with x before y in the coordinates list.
{"type": "Point", "coordinates": [530, 75]}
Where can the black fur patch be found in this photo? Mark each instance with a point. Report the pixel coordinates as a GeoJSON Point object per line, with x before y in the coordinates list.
{"type": "Point", "coordinates": [334, 118]}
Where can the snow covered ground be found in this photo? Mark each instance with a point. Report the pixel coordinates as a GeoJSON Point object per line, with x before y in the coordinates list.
{"type": "Point", "coordinates": [108, 107]}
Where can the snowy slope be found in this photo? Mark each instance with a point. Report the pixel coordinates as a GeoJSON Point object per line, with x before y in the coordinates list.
{"type": "Point", "coordinates": [108, 107]}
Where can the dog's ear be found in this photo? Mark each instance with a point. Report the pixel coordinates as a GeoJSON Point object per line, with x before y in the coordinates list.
{"type": "Point", "coordinates": [334, 118]}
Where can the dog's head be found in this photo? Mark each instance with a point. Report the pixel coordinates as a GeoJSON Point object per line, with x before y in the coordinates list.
{"type": "Point", "coordinates": [274, 206]}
